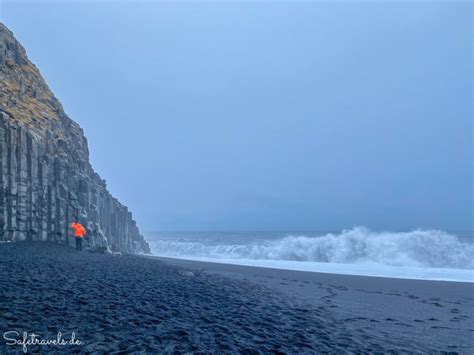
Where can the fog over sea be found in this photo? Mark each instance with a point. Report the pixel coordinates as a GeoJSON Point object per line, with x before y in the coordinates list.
{"type": "Point", "coordinates": [416, 254]}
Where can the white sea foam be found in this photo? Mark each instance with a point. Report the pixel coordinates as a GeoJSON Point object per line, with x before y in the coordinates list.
{"type": "Point", "coordinates": [430, 254]}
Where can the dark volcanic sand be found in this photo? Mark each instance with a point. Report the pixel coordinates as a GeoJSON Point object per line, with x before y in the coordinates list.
{"type": "Point", "coordinates": [133, 303]}
{"type": "Point", "coordinates": [432, 314]}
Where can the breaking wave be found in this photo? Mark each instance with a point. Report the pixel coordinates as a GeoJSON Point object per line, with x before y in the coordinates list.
{"type": "Point", "coordinates": [418, 248]}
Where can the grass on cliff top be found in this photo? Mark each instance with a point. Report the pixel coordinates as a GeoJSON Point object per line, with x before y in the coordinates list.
{"type": "Point", "coordinates": [26, 108]}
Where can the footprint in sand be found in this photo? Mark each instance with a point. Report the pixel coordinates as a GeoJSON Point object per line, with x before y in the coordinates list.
{"type": "Point", "coordinates": [366, 291]}
{"type": "Point", "coordinates": [404, 324]}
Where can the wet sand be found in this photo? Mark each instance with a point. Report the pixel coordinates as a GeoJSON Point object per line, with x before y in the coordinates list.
{"type": "Point", "coordinates": [434, 315]}
{"type": "Point", "coordinates": [144, 304]}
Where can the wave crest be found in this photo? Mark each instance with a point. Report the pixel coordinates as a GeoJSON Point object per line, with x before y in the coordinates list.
{"type": "Point", "coordinates": [418, 248]}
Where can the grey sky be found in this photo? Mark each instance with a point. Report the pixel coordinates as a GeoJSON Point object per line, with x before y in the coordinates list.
{"type": "Point", "coordinates": [268, 115]}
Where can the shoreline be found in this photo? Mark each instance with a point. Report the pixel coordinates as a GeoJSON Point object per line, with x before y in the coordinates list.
{"type": "Point", "coordinates": [130, 303]}
{"type": "Point", "coordinates": [335, 269]}
{"type": "Point", "coordinates": [427, 311]}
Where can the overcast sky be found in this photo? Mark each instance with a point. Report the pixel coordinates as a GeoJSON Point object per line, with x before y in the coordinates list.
{"type": "Point", "coordinates": [267, 115]}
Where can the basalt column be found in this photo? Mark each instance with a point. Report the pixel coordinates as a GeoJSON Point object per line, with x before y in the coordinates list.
{"type": "Point", "coordinates": [46, 179]}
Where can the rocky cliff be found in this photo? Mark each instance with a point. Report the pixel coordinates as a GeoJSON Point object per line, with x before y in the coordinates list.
{"type": "Point", "coordinates": [45, 176]}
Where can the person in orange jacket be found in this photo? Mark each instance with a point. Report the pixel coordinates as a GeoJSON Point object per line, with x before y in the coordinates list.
{"type": "Point", "coordinates": [79, 233]}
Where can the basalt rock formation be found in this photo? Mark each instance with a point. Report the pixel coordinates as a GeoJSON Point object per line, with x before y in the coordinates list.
{"type": "Point", "coordinates": [46, 179]}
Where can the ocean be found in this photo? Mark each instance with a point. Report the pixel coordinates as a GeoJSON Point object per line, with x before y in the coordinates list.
{"type": "Point", "coordinates": [417, 254]}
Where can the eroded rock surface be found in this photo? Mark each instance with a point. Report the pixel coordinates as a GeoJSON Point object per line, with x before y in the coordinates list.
{"type": "Point", "coordinates": [45, 175]}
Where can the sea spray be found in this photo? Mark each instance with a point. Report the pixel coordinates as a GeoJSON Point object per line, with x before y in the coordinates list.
{"type": "Point", "coordinates": [417, 248]}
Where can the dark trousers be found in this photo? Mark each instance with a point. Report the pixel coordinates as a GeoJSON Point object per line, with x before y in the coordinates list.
{"type": "Point", "coordinates": [78, 243]}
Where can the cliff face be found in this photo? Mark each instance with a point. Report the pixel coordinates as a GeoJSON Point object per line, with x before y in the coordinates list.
{"type": "Point", "coordinates": [46, 179]}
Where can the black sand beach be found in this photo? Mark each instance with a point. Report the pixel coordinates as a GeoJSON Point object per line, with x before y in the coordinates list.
{"type": "Point", "coordinates": [437, 315]}
{"type": "Point", "coordinates": [142, 304]}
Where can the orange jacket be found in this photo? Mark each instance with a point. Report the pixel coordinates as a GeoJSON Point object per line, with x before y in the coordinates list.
{"type": "Point", "coordinates": [79, 230]}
